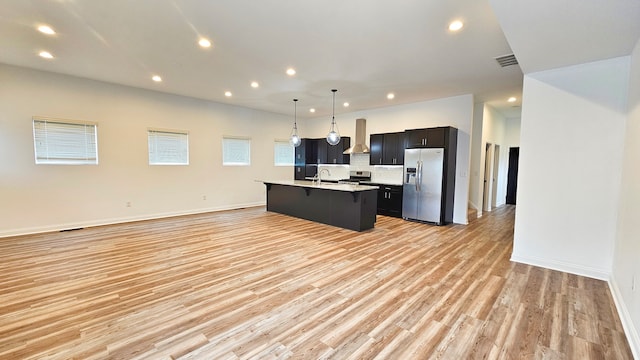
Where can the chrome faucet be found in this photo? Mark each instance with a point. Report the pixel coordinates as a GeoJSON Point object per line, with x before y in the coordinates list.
{"type": "Point", "coordinates": [320, 175]}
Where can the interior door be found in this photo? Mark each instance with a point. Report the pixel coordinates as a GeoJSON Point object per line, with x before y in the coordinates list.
{"type": "Point", "coordinates": [512, 176]}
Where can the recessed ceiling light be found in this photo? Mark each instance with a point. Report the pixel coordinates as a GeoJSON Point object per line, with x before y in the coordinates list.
{"type": "Point", "coordinates": [46, 30]}
{"type": "Point", "coordinates": [228, 94]}
{"type": "Point", "coordinates": [205, 43]}
{"type": "Point", "coordinates": [456, 25]}
{"type": "Point", "coordinates": [312, 110]}
{"type": "Point", "coordinates": [346, 104]}
{"type": "Point", "coordinates": [255, 84]}
{"type": "Point", "coordinates": [291, 71]}
{"type": "Point", "coordinates": [512, 99]}
{"type": "Point", "coordinates": [390, 96]}
{"type": "Point", "coordinates": [46, 55]}
{"type": "Point", "coordinates": [156, 78]}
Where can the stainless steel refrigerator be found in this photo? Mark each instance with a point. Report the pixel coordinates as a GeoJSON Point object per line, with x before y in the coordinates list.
{"type": "Point", "coordinates": [422, 188]}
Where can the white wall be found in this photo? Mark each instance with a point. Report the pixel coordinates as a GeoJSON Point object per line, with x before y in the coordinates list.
{"type": "Point", "coordinates": [572, 136]}
{"type": "Point", "coordinates": [512, 135]}
{"type": "Point", "coordinates": [477, 153]}
{"type": "Point", "coordinates": [37, 198]}
{"type": "Point", "coordinates": [626, 264]}
{"type": "Point", "coordinates": [454, 111]}
{"type": "Point", "coordinates": [491, 127]}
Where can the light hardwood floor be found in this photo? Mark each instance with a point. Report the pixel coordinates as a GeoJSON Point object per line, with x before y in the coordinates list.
{"type": "Point", "coordinates": [253, 284]}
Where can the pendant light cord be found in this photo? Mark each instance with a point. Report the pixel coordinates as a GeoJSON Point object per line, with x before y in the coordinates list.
{"type": "Point", "coordinates": [333, 114]}
{"type": "Point", "coordinates": [295, 114]}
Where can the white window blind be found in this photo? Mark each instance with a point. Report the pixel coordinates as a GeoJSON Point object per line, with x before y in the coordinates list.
{"type": "Point", "coordinates": [283, 153]}
{"type": "Point", "coordinates": [65, 142]}
{"type": "Point", "coordinates": [168, 147]}
{"type": "Point", "coordinates": [236, 151]}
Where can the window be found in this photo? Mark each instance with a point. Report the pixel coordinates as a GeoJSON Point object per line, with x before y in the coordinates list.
{"type": "Point", "coordinates": [168, 147]}
{"type": "Point", "coordinates": [283, 153]}
{"type": "Point", "coordinates": [65, 142]}
{"type": "Point", "coordinates": [236, 151]}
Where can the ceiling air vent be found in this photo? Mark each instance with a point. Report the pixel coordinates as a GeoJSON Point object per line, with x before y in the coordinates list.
{"type": "Point", "coordinates": [507, 60]}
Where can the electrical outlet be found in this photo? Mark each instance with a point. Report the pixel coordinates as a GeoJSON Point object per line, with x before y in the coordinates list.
{"type": "Point", "coordinates": [128, 204]}
{"type": "Point", "coordinates": [204, 197]}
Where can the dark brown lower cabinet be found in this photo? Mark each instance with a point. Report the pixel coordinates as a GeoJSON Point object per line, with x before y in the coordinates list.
{"type": "Point", "coordinates": [390, 200]}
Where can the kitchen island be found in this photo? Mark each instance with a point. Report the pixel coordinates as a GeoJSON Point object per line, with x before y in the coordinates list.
{"type": "Point", "coordinates": [344, 205]}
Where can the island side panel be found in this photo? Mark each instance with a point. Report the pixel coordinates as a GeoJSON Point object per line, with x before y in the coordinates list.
{"type": "Point", "coordinates": [355, 211]}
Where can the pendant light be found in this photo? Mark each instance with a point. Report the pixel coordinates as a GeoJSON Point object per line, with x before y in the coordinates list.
{"type": "Point", "coordinates": [333, 138]}
{"type": "Point", "coordinates": [294, 139]}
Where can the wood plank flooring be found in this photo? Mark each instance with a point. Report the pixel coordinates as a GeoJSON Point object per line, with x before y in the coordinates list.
{"type": "Point", "coordinates": [249, 284]}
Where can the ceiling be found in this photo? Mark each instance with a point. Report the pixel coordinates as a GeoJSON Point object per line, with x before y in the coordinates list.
{"type": "Point", "coordinates": [548, 34]}
{"type": "Point", "coordinates": [364, 49]}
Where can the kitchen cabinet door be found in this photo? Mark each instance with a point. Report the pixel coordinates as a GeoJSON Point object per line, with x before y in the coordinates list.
{"type": "Point", "coordinates": [382, 201]}
{"type": "Point", "coordinates": [389, 148]}
{"type": "Point", "coordinates": [335, 152]}
{"type": "Point", "coordinates": [431, 137]}
{"type": "Point", "coordinates": [393, 149]}
{"type": "Point", "coordinates": [390, 200]}
{"type": "Point", "coordinates": [375, 148]}
{"type": "Point", "coordinates": [415, 138]}
{"type": "Point", "coordinates": [394, 206]}
{"type": "Point", "coordinates": [321, 153]}
{"type": "Point", "coordinates": [436, 137]}
{"type": "Point", "coordinates": [300, 158]}
{"type": "Point", "coordinates": [400, 146]}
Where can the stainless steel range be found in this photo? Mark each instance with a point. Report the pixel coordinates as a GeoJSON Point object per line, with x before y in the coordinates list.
{"type": "Point", "coordinates": [357, 177]}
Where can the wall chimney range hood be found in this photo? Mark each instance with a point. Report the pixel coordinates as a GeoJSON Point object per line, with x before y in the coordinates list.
{"type": "Point", "coordinates": [359, 146]}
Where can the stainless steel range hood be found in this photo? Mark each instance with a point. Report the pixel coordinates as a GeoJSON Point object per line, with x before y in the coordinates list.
{"type": "Point", "coordinates": [359, 146]}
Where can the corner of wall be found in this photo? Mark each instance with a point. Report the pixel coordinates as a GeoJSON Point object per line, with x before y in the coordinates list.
{"type": "Point", "coordinates": [564, 266]}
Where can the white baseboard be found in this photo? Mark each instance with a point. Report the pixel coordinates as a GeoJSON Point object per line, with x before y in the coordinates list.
{"type": "Point", "coordinates": [627, 323]}
{"type": "Point", "coordinates": [576, 269]}
{"type": "Point", "coordinates": [101, 222]}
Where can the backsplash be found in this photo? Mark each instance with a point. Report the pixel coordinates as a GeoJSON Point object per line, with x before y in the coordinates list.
{"type": "Point", "coordinates": [336, 172]}
{"type": "Point", "coordinates": [391, 175]}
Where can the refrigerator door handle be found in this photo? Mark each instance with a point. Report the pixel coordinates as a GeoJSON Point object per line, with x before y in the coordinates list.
{"type": "Point", "coordinates": [419, 177]}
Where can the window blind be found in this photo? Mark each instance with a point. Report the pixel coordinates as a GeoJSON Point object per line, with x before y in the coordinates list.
{"type": "Point", "coordinates": [236, 151]}
{"type": "Point", "coordinates": [283, 153]}
{"type": "Point", "coordinates": [65, 142]}
{"type": "Point", "coordinates": [168, 147]}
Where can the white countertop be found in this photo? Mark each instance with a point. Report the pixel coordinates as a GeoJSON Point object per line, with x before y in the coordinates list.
{"type": "Point", "coordinates": [324, 185]}
{"type": "Point", "coordinates": [373, 183]}
{"type": "Point", "coordinates": [384, 183]}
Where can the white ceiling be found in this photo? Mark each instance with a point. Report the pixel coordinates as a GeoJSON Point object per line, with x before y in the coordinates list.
{"type": "Point", "coordinates": [363, 48]}
{"type": "Point", "coordinates": [548, 34]}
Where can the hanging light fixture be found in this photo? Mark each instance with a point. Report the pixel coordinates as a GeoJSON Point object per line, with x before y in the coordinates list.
{"type": "Point", "coordinates": [294, 139]}
{"type": "Point", "coordinates": [333, 138]}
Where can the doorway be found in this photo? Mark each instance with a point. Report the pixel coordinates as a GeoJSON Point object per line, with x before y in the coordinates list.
{"type": "Point", "coordinates": [512, 175]}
